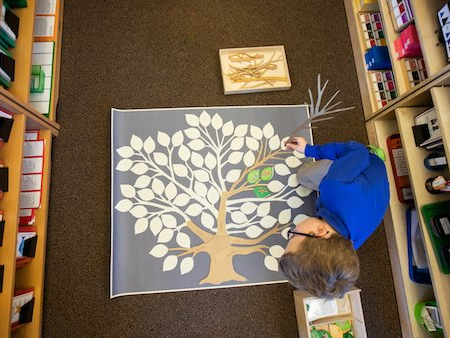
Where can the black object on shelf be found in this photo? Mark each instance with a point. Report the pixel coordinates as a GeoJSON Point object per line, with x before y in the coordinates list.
{"type": "Point", "coordinates": [7, 64]}
{"type": "Point", "coordinates": [4, 179]}
{"type": "Point", "coordinates": [2, 230]}
{"type": "Point", "coordinates": [435, 161]}
{"type": "Point", "coordinates": [5, 128]}
{"type": "Point", "coordinates": [2, 271]}
{"type": "Point", "coordinates": [29, 247]}
{"type": "Point", "coordinates": [26, 312]}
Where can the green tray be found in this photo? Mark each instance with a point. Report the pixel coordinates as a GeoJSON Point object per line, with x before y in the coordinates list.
{"type": "Point", "coordinates": [429, 211]}
{"type": "Point", "coordinates": [417, 311]}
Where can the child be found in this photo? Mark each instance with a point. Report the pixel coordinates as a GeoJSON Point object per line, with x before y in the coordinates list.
{"type": "Point", "coordinates": [353, 188]}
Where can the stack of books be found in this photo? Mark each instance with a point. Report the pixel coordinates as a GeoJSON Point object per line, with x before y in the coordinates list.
{"type": "Point", "coordinates": [9, 32]}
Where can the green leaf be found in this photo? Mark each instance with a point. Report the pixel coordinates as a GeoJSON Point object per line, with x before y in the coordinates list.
{"type": "Point", "coordinates": [253, 176]}
{"type": "Point", "coordinates": [267, 173]}
{"type": "Point", "coordinates": [261, 191]}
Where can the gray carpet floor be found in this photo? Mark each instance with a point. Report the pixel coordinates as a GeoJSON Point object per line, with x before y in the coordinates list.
{"type": "Point", "coordinates": [164, 53]}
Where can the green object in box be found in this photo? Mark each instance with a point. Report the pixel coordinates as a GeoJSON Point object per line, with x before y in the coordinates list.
{"type": "Point", "coordinates": [439, 243]}
{"type": "Point", "coordinates": [37, 79]}
{"type": "Point", "coordinates": [418, 315]}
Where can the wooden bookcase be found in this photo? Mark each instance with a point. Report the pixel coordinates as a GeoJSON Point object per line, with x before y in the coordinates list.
{"type": "Point", "coordinates": [398, 117]}
{"type": "Point", "coordinates": [15, 100]}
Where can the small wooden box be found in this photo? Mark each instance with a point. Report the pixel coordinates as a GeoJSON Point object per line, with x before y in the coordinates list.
{"type": "Point", "coordinates": [356, 316]}
{"type": "Point", "coordinates": [255, 69]}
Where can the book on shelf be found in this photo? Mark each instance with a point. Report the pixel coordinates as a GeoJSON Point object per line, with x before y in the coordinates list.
{"type": "Point", "coordinates": [4, 179]}
{"type": "Point", "coordinates": [6, 124]}
{"type": "Point", "coordinates": [22, 306]}
{"type": "Point", "coordinates": [2, 227]}
{"type": "Point", "coordinates": [9, 26]}
{"type": "Point", "coordinates": [43, 55]}
{"type": "Point", "coordinates": [7, 67]}
{"type": "Point", "coordinates": [46, 20]}
{"type": "Point", "coordinates": [26, 242]}
{"type": "Point", "coordinates": [2, 272]}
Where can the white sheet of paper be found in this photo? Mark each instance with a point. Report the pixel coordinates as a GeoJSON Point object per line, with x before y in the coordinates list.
{"type": "Point", "coordinates": [46, 7]}
{"type": "Point", "coordinates": [30, 199]}
{"type": "Point", "coordinates": [31, 182]}
{"type": "Point", "coordinates": [33, 148]}
{"type": "Point", "coordinates": [32, 165]}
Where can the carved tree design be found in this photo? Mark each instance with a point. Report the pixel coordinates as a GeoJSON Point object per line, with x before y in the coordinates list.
{"type": "Point", "coordinates": [184, 193]}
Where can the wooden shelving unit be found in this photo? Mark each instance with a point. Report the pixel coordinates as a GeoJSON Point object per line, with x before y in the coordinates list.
{"type": "Point", "coordinates": [15, 100]}
{"type": "Point", "coordinates": [398, 117]}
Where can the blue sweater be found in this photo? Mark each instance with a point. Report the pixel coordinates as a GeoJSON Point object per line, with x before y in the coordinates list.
{"type": "Point", "coordinates": [354, 195]}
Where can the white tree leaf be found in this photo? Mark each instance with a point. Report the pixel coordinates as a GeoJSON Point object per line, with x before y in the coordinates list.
{"type": "Point", "coordinates": [200, 189]}
{"type": "Point", "coordinates": [248, 208]}
{"type": "Point", "coordinates": [146, 194]}
{"type": "Point", "coordinates": [158, 186]}
{"type": "Point", "coordinates": [171, 191]}
{"type": "Point", "coordinates": [183, 240]}
{"type": "Point", "coordinates": [124, 165]}
{"type": "Point", "coordinates": [299, 218]}
{"type": "Point", "coordinates": [253, 231]}
{"type": "Point", "coordinates": [235, 157]}
{"type": "Point", "coordinates": [256, 132]}
{"type": "Point", "coordinates": [271, 263]}
{"type": "Point", "coordinates": [293, 180]}
{"type": "Point", "coordinates": [181, 200]}
{"type": "Point", "coordinates": [285, 216]}
{"type": "Point", "coordinates": [239, 217]}
{"type": "Point", "coordinates": [192, 133]}
{"type": "Point", "coordinates": [268, 221]}
{"type": "Point", "coordinates": [241, 130]}
{"type": "Point", "coordinates": [177, 138]}
{"type": "Point", "coordinates": [282, 169]}
{"type": "Point", "coordinates": [184, 153]}
{"type": "Point", "coordinates": [294, 202]}
{"type": "Point", "coordinates": [216, 122]}
{"type": "Point", "coordinates": [127, 190]}
{"type": "Point", "coordinates": [180, 170]}
{"type": "Point", "coordinates": [303, 191]}
{"type": "Point", "coordinates": [125, 151]}
{"type": "Point", "coordinates": [275, 186]}
{"type": "Point", "coordinates": [136, 143]}
{"type": "Point", "coordinates": [186, 265]}
{"type": "Point", "coordinates": [149, 145]}
{"type": "Point", "coordinates": [207, 220]}
{"type": "Point", "coordinates": [276, 251]}
{"type": "Point", "coordinates": [210, 161]}
{"type": "Point", "coordinates": [170, 262]}
{"type": "Point", "coordinates": [228, 128]}
{"type": "Point", "coordinates": [165, 236]}
{"type": "Point", "coordinates": [237, 143]}
{"type": "Point", "coordinates": [169, 221]}
{"type": "Point", "coordinates": [192, 120]}
{"type": "Point", "coordinates": [142, 181]}
{"type": "Point", "coordinates": [268, 130]}
{"type": "Point", "coordinates": [249, 159]}
{"type": "Point", "coordinates": [251, 143]}
{"type": "Point", "coordinates": [161, 159]}
{"type": "Point", "coordinates": [159, 250]}
{"type": "Point", "coordinates": [213, 195]}
{"type": "Point", "coordinates": [139, 211]}
{"type": "Point", "coordinates": [233, 175]}
{"type": "Point", "coordinates": [284, 233]}
{"type": "Point", "coordinates": [205, 119]}
{"type": "Point", "coordinates": [156, 225]}
{"type": "Point", "coordinates": [139, 168]}
{"type": "Point", "coordinates": [194, 209]}
{"type": "Point", "coordinates": [140, 226]}
{"type": "Point", "coordinates": [274, 142]}
{"type": "Point", "coordinates": [196, 145]}
{"type": "Point", "coordinates": [163, 139]}
{"type": "Point", "coordinates": [197, 159]}
{"type": "Point", "coordinates": [299, 155]}
{"type": "Point", "coordinates": [263, 209]}
{"type": "Point", "coordinates": [293, 162]}
{"type": "Point", "coordinates": [201, 175]}
{"type": "Point", "coordinates": [124, 205]}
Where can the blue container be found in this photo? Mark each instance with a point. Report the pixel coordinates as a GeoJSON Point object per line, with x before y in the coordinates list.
{"type": "Point", "coordinates": [377, 58]}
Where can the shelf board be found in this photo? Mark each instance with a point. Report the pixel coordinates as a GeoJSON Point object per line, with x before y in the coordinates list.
{"type": "Point", "coordinates": [441, 99]}
{"type": "Point", "coordinates": [12, 156]}
{"type": "Point", "coordinates": [408, 292]}
{"type": "Point", "coordinates": [418, 176]}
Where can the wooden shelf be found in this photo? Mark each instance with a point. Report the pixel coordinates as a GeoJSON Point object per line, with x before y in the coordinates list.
{"type": "Point", "coordinates": [398, 117]}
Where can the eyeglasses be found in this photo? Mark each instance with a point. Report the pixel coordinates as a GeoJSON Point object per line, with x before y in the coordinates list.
{"type": "Point", "coordinates": [291, 234]}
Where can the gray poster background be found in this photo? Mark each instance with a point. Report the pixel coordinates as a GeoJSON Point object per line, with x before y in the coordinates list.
{"type": "Point", "coordinates": [133, 270]}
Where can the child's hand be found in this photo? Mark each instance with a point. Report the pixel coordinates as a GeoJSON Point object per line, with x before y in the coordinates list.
{"type": "Point", "coordinates": [297, 143]}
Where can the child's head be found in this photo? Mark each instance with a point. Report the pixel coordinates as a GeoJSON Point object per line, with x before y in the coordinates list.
{"type": "Point", "coordinates": [325, 266]}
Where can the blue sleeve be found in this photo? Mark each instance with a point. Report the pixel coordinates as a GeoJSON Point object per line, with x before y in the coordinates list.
{"type": "Point", "coordinates": [349, 158]}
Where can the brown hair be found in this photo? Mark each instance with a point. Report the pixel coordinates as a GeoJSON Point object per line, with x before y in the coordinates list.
{"type": "Point", "coordinates": [326, 268]}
